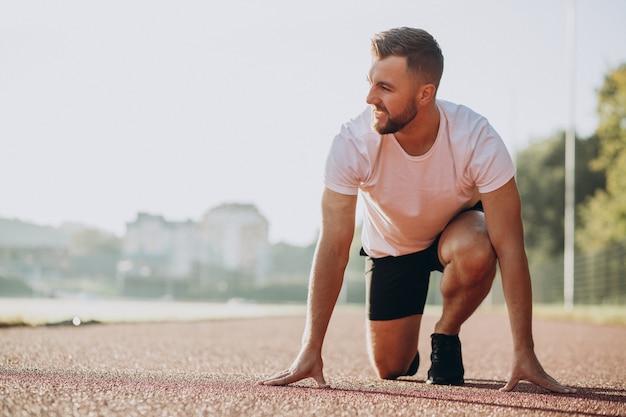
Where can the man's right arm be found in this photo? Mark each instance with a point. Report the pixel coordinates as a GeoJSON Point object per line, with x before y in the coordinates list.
{"type": "Point", "coordinates": [331, 257]}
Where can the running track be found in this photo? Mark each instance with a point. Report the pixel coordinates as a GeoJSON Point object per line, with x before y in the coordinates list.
{"type": "Point", "coordinates": [210, 368]}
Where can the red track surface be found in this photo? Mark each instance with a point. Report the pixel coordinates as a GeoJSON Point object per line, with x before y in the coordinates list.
{"type": "Point", "coordinates": [210, 369]}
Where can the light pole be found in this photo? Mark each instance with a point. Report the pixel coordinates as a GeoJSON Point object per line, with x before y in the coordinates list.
{"type": "Point", "coordinates": [570, 164]}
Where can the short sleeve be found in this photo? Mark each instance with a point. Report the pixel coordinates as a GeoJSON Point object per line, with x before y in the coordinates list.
{"type": "Point", "coordinates": [491, 165]}
{"type": "Point", "coordinates": [341, 173]}
{"type": "Point", "coordinates": [348, 163]}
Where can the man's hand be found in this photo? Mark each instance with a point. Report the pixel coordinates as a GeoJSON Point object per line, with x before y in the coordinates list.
{"type": "Point", "coordinates": [308, 364]}
{"type": "Point", "coordinates": [503, 215]}
{"type": "Point", "coordinates": [329, 263]}
{"type": "Point", "coordinates": [527, 367]}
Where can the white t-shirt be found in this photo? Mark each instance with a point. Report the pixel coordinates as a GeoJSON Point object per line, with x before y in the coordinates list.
{"type": "Point", "coordinates": [410, 199]}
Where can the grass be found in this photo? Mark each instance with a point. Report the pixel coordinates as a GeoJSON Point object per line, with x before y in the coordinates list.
{"type": "Point", "coordinates": [595, 314]}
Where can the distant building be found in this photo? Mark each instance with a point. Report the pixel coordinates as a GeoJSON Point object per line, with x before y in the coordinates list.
{"type": "Point", "coordinates": [231, 237]}
{"type": "Point", "coordinates": [237, 239]}
{"type": "Point", "coordinates": [154, 246]}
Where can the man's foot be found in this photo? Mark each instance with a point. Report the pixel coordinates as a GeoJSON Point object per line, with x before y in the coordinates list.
{"type": "Point", "coordinates": [414, 365]}
{"type": "Point", "coordinates": [446, 361]}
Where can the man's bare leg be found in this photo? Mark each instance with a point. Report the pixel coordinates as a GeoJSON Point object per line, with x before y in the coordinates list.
{"type": "Point", "coordinates": [469, 263]}
{"type": "Point", "coordinates": [469, 269]}
{"type": "Point", "coordinates": [392, 345]}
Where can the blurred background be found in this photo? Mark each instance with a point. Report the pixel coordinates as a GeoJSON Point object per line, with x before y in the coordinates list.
{"type": "Point", "coordinates": [159, 150]}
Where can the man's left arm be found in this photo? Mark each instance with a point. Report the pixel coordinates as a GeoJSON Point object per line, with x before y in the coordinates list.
{"type": "Point", "coordinates": [504, 225]}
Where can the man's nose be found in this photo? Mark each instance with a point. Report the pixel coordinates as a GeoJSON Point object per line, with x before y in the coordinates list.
{"type": "Point", "coordinates": [372, 98]}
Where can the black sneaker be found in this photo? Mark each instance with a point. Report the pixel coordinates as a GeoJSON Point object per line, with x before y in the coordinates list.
{"type": "Point", "coordinates": [414, 365]}
{"type": "Point", "coordinates": [446, 361]}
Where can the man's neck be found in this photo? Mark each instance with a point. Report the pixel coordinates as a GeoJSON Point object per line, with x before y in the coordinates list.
{"type": "Point", "coordinates": [418, 137]}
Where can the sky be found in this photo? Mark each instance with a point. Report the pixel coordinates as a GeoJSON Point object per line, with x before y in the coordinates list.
{"type": "Point", "coordinates": [110, 108]}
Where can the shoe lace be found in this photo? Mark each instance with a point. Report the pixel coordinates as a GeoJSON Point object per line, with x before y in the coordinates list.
{"type": "Point", "coordinates": [445, 349]}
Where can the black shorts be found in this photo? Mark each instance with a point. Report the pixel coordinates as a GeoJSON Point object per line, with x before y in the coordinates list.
{"type": "Point", "coordinates": [397, 286]}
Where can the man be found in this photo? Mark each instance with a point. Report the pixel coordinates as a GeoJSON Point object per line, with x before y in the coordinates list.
{"type": "Point", "coordinates": [426, 170]}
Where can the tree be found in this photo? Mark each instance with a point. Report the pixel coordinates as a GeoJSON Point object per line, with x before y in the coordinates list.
{"type": "Point", "coordinates": [541, 182]}
{"type": "Point", "coordinates": [540, 179]}
{"type": "Point", "coordinates": [290, 263]}
{"type": "Point", "coordinates": [604, 215]}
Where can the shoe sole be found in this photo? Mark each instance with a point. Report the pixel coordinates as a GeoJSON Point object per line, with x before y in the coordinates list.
{"type": "Point", "coordinates": [437, 381]}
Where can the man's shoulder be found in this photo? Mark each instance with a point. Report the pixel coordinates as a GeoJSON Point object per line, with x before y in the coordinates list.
{"type": "Point", "coordinates": [458, 112]}
{"type": "Point", "coordinates": [351, 154]}
{"type": "Point", "coordinates": [359, 132]}
{"type": "Point", "coordinates": [464, 125]}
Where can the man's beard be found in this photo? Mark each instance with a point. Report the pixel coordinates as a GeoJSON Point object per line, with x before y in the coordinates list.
{"type": "Point", "coordinates": [395, 124]}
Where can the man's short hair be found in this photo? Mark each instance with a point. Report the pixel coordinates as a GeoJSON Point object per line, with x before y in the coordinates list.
{"type": "Point", "coordinates": [422, 52]}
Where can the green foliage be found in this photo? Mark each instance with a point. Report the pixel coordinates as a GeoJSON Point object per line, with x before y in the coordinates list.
{"type": "Point", "coordinates": [14, 287]}
{"type": "Point", "coordinates": [541, 182]}
{"type": "Point", "coordinates": [290, 260]}
{"type": "Point", "coordinates": [604, 215]}
{"type": "Point", "coordinates": [356, 263]}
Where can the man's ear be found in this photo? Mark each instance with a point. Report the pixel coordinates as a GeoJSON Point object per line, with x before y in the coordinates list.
{"type": "Point", "coordinates": [426, 94]}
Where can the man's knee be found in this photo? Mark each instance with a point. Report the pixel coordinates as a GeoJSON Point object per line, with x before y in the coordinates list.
{"type": "Point", "coordinates": [465, 245]}
{"type": "Point", "coordinates": [479, 261]}
{"type": "Point", "coordinates": [392, 345]}
{"type": "Point", "coordinates": [474, 261]}
{"type": "Point", "coordinates": [391, 364]}
{"type": "Point", "coordinates": [393, 367]}
{"type": "Point", "coordinates": [388, 371]}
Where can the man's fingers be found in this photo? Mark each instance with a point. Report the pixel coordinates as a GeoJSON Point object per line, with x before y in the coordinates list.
{"type": "Point", "coordinates": [546, 382]}
{"type": "Point", "coordinates": [275, 379]}
{"type": "Point", "coordinates": [321, 382]}
{"type": "Point", "coordinates": [511, 383]}
{"type": "Point", "coordinates": [287, 377]}
{"type": "Point", "coordinates": [553, 385]}
{"type": "Point", "coordinates": [282, 380]}
{"type": "Point", "coordinates": [279, 381]}
{"type": "Point", "coordinates": [562, 389]}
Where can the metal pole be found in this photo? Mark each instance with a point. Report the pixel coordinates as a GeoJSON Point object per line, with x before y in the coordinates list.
{"type": "Point", "coordinates": [570, 164]}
